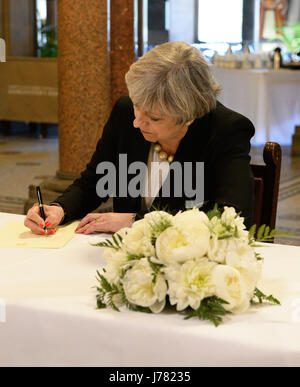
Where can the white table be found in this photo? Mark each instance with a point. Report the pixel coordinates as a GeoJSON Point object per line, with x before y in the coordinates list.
{"type": "Point", "coordinates": [269, 98]}
{"type": "Point", "coordinates": [51, 317]}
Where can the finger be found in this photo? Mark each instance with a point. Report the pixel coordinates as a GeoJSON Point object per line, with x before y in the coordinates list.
{"type": "Point", "coordinates": [34, 227]}
{"type": "Point", "coordinates": [91, 227]}
{"type": "Point", "coordinates": [51, 231]}
{"type": "Point", "coordinates": [34, 215]}
{"type": "Point", "coordinates": [52, 221]}
{"type": "Point", "coordinates": [87, 219]}
{"type": "Point", "coordinates": [81, 230]}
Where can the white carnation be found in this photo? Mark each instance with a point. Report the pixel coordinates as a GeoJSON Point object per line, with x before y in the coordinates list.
{"type": "Point", "coordinates": [229, 286]}
{"type": "Point", "coordinates": [190, 282]}
{"type": "Point", "coordinates": [141, 290]}
{"type": "Point", "coordinates": [138, 239]}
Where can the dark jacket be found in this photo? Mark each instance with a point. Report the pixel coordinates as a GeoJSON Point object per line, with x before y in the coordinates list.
{"type": "Point", "coordinates": [220, 139]}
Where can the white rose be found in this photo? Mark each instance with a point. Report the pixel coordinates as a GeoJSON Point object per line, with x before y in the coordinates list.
{"type": "Point", "coordinates": [138, 240]}
{"type": "Point", "coordinates": [229, 286]}
{"type": "Point", "coordinates": [190, 282]}
{"type": "Point", "coordinates": [140, 289]}
{"type": "Point", "coordinates": [181, 244]}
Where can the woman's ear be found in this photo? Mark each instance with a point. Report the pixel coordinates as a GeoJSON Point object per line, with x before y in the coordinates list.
{"type": "Point", "coordinates": [189, 122]}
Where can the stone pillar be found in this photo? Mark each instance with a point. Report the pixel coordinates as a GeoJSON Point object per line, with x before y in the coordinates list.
{"type": "Point", "coordinates": [84, 97]}
{"type": "Point", "coordinates": [83, 73]}
{"type": "Point", "coordinates": [121, 45]}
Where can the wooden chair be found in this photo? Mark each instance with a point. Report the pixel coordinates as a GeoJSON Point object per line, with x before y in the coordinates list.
{"type": "Point", "coordinates": [266, 183]}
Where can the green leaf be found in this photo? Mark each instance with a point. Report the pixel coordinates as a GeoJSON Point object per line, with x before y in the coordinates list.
{"type": "Point", "coordinates": [267, 231]}
{"type": "Point", "coordinates": [260, 232]}
{"type": "Point", "coordinates": [259, 297]}
{"type": "Point", "coordinates": [134, 257]}
{"type": "Point", "coordinates": [258, 257]}
{"type": "Point", "coordinates": [106, 292]}
{"type": "Point", "coordinates": [211, 309]}
{"type": "Point", "coordinates": [214, 212]}
{"type": "Point", "coordinates": [156, 267]}
{"type": "Point", "coordinates": [109, 244]}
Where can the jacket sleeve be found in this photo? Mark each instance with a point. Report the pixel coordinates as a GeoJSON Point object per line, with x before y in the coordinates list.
{"type": "Point", "coordinates": [81, 197]}
{"type": "Point", "coordinates": [234, 182]}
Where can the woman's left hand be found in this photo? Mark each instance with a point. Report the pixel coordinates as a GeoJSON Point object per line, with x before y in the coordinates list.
{"type": "Point", "coordinates": [104, 222]}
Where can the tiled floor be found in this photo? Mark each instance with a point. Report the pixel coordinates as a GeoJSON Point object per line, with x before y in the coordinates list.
{"type": "Point", "coordinates": [27, 159]}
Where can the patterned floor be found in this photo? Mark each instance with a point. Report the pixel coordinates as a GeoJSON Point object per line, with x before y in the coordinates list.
{"type": "Point", "coordinates": [27, 159]}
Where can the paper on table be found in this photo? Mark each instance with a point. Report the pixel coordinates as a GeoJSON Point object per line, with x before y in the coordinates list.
{"type": "Point", "coordinates": [15, 234]}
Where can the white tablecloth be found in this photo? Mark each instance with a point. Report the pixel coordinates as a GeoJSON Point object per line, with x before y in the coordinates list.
{"type": "Point", "coordinates": [270, 99]}
{"type": "Point", "coordinates": [51, 318]}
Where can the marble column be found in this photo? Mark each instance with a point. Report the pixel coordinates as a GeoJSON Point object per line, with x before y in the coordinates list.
{"type": "Point", "coordinates": [84, 94]}
{"type": "Point", "coordinates": [121, 45]}
{"type": "Point", "coordinates": [84, 98]}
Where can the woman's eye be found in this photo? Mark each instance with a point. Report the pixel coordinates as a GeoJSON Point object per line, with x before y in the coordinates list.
{"type": "Point", "coordinates": [154, 119]}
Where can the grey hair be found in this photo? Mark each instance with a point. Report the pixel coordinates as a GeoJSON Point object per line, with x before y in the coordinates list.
{"type": "Point", "coordinates": [175, 79]}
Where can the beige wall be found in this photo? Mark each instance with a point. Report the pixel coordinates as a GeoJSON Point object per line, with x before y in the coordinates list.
{"type": "Point", "coordinates": [22, 34]}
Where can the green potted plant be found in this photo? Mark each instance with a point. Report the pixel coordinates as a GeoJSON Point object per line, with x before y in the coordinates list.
{"type": "Point", "coordinates": [290, 36]}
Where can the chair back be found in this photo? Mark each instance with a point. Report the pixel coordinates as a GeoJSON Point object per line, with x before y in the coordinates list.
{"type": "Point", "coordinates": [266, 183]}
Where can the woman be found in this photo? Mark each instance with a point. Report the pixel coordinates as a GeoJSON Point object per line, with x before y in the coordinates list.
{"type": "Point", "coordinates": [172, 115]}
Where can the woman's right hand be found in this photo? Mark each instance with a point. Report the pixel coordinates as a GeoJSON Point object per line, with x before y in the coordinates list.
{"type": "Point", "coordinates": [34, 221]}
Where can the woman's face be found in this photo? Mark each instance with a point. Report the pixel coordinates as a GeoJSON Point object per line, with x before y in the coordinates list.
{"type": "Point", "coordinates": [156, 127]}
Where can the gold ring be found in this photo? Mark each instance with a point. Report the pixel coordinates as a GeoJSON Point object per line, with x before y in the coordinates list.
{"type": "Point", "coordinates": [96, 220]}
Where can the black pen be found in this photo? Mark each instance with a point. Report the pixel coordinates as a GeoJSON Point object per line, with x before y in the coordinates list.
{"type": "Point", "coordinates": [41, 205]}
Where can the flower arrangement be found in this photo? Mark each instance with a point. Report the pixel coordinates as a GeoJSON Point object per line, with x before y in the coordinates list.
{"type": "Point", "coordinates": [204, 264]}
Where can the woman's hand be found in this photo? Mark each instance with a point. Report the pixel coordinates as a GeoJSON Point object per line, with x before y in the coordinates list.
{"type": "Point", "coordinates": [104, 222]}
{"type": "Point", "coordinates": [35, 222]}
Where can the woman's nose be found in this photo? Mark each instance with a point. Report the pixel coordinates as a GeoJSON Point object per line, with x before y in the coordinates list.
{"type": "Point", "coordinates": [140, 121]}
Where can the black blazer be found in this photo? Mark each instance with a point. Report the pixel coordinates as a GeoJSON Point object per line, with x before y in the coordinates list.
{"type": "Point", "coordinates": [220, 139]}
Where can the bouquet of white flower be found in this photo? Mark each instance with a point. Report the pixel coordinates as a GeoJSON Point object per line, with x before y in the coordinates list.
{"type": "Point", "coordinates": [205, 264]}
